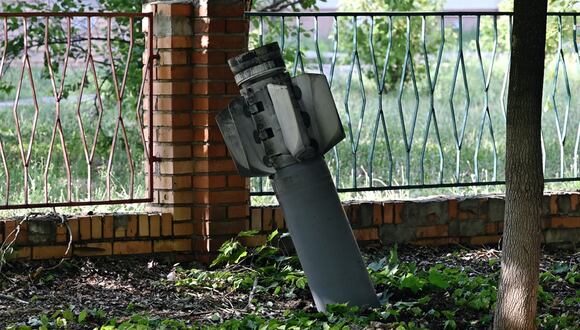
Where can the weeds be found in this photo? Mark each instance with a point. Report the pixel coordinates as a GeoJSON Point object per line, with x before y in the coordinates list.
{"type": "Point", "coordinates": [445, 294]}
{"type": "Point", "coordinates": [260, 270]}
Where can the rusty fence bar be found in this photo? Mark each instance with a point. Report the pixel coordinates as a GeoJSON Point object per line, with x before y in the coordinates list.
{"type": "Point", "coordinates": [77, 82]}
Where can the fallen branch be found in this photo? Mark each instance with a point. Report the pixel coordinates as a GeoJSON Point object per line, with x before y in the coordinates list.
{"type": "Point", "coordinates": [5, 296]}
{"type": "Point", "coordinates": [70, 240]}
{"type": "Point", "coordinates": [251, 296]}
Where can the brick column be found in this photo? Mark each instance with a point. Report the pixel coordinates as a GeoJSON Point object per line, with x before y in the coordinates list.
{"type": "Point", "coordinates": [194, 177]}
{"type": "Point", "coordinates": [221, 197]}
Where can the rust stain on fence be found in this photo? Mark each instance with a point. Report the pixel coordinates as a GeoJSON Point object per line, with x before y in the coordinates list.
{"type": "Point", "coordinates": [90, 69]}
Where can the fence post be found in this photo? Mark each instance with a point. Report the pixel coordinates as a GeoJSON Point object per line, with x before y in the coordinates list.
{"type": "Point", "coordinates": [194, 178]}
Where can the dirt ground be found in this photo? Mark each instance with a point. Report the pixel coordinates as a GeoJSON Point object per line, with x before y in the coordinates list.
{"type": "Point", "coordinates": [121, 287]}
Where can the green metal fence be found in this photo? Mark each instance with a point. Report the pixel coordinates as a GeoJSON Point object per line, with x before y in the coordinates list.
{"type": "Point", "coordinates": [423, 95]}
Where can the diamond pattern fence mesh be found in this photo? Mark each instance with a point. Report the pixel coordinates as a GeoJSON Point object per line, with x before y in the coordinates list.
{"type": "Point", "coordinates": [423, 96]}
{"type": "Point", "coordinates": [72, 94]}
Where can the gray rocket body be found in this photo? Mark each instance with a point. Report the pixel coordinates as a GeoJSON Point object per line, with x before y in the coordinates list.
{"type": "Point", "coordinates": [281, 128]}
{"type": "Point", "coordinates": [322, 235]}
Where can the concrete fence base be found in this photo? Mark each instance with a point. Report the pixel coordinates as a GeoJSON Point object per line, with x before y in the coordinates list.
{"type": "Point", "coordinates": [440, 221]}
{"type": "Point", "coordinates": [95, 235]}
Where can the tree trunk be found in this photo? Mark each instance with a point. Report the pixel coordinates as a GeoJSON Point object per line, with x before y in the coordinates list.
{"type": "Point", "coordinates": [518, 284]}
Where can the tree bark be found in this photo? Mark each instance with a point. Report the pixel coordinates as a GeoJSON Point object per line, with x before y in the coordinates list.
{"type": "Point", "coordinates": [518, 284]}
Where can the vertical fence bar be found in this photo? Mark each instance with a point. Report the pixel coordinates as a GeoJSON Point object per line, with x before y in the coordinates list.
{"type": "Point", "coordinates": [380, 117]}
{"type": "Point", "coordinates": [282, 34]}
{"type": "Point", "coordinates": [577, 144]}
{"type": "Point", "coordinates": [318, 57]}
{"type": "Point", "coordinates": [298, 54]}
{"type": "Point", "coordinates": [562, 128]}
{"type": "Point", "coordinates": [408, 138]}
{"type": "Point", "coordinates": [150, 153]}
{"type": "Point", "coordinates": [355, 60]}
{"type": "Point", "coordinates": [330, 80]}
{"type": "Point", "coordinates": [432, 84]}
{"type": "Point", "coordinates": [2, 150]}
{"type": "Point", "coordinates": [459, 64]}
{"type": "Point", "coordinates": [57, 93]}
{"type": "Point", "coordinates": [261, 35]}
{"type": "Point", "coordinates": [486, 116]}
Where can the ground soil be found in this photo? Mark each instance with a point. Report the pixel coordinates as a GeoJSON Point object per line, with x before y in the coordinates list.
{"type": "Point", "coordinates": [122, 287]}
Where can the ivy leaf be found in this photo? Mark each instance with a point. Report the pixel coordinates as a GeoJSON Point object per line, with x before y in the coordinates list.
{"type": "Point", "coordinates": [561, 268]}
{"type": "Point", "coordinates": [82, 316]}
{"type": "Point", "coordinates": [412, 282]}
{"type": "Point", "coordinates": [68, 315]}
{"type": "Point", "coordinates": [301, 282]}
{"type": "Point", "coordinates": [450, 324]}
{"type": "Point", "coordinates": [437, 279]}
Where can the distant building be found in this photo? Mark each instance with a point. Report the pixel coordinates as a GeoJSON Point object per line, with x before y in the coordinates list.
{"type": "Point", "coordinates": [450, 5]}
{"type": "Point", "coordinates": [329, 5]}
{"type": "Point", "coordinates": [468, 5]}
{"type": "Point", "coordinates": [469, 23]}
{"type": "Point", "coordinates": [326, 25]}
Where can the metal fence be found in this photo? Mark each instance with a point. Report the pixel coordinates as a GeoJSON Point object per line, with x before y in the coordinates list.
{"type": "Point", "coordinates": [423, 95]}
{"type": "Point", "coordinates": [72, 88]}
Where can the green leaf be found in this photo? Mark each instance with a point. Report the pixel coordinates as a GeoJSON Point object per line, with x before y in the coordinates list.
{"type": "Point", "coordinates": [301, 283]}
{"type": "Point", "coordinates": [433, 313]}
{"type": "Point", "coordinates": [561, 268]}
{"type": "Point", "coordinates": [448, 314]}
{"type": "Point", "coordinates": [393, 256]}
{"type": "Point", "coordinates": [60, 322]}
{"type": "Point", "coordinates": [424, 300]}
{"type": "Point", "coordinates": [82, 316]}
{"type": "Point", "coordinates": [56, 314]}
{"type": "Point", "coordinates": [272, 235]}
{"type": "Point", "coordinates": [248, 233]}
{"type": "Point", "coordinates": [44, 320]}
{"type": "Point", "coordinates": [98, 313]}
{"type": "Point", "coordinates": [437, 279]}
{"type": "Point", "coordinates": [450, 324]}
{"type": "Point", "coordinates": [412, 282]}
{"type": "Point", "coordinates": [337, 308]}
{"type": "Point", "coordinates": [241, 256]}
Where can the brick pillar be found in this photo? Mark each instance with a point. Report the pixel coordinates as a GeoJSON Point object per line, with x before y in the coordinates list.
{"type": "Point", "coordinates": [194, 177]}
